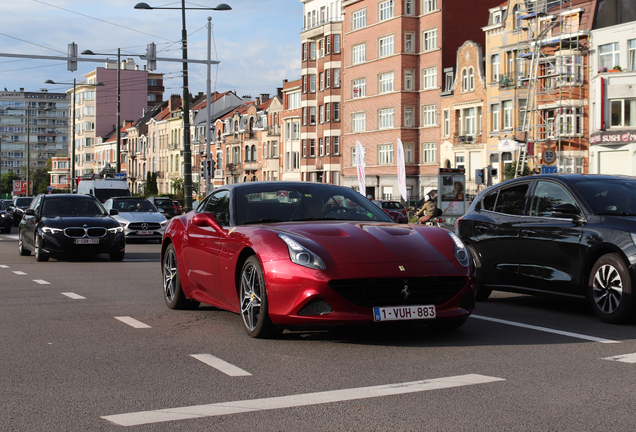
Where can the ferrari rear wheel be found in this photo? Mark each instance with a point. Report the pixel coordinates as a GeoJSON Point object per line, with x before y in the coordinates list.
{"type": "Point", "coordinates": [253, 298]}
{"type": "Point", "coordinates": [172, 292]}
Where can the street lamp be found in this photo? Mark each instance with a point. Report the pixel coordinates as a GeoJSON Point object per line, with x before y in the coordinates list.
{"type": "Point", "coordinates": [187, 151]}
{"type": "Point", "coordinates": [99, 84]}
{"type": "Point", "coordinates": [118, 128]}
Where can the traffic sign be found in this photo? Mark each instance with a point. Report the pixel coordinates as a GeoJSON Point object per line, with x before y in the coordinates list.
{"type": "Point", "coordinates": [549, 170]}
{"type": "Point", "coordinates": [549, 155]}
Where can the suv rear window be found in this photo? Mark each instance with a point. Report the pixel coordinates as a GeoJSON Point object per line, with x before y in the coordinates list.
{"type": "Point", "coordinates": [164, 201]}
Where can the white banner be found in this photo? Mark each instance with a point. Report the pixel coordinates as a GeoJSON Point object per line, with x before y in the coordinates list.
{"type": "Point", "coordinates": [362, 181]}
{"type": "Point", "coordinates": [401, 173]}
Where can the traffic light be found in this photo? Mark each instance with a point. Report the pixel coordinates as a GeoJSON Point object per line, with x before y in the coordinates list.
{"type": "Point", "coordinates": [151, 56]}
{"type": "Point", "coordinates": [211, 167]}
{"type": "Point", "coordinates": [203, 168]}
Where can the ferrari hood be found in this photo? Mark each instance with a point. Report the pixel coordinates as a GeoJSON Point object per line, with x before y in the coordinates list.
{"type": "Point", "coordinates": [360, 243]}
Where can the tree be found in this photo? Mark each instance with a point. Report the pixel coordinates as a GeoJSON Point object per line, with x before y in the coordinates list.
{"type": "Point", "coordinates": [6, 183]}
{"type": "Point", "coordinates": [510, 169]}
{"type": "Point", "coordinates": [41, 178]}
{"type": "Point", "coordinates": [151, 184]}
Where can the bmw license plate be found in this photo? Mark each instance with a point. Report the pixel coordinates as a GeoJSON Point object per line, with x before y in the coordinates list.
{"type": "Point", "coordinates": [86, 241]}
{"type": "Point", "coordinates": [397, 313]}
{"type": "Point", "coordinates": [144, 232]}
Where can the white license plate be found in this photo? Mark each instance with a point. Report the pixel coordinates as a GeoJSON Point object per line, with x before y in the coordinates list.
{"type": "Point", "coordinates": [144, 232]}
{"type": "Point", "coordinates": [400, 313]}
{"type": "Point", "coordinates": [87, 241]}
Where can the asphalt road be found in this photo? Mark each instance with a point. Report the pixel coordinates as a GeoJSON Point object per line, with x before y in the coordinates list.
{"type": "Point", "coordinates": [89, 345]}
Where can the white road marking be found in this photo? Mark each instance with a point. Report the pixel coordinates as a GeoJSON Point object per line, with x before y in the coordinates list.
{"type": "Point", "coordinates": [547, 330]}
{"type": "Point", "coordinates": [21, 273]}
{"type": "Point", "coordinates": [41, 282]}
{"type": "Point", "coordinates": [4, 266]}
{"type": "Point", "coordinates": [238, 407]}
{"type": "Point", "coordinates": [132, 322]}
{"type": "Point", "coordinates": [223, 366]}
{"type": "Point", "coordinates": [625, 358]}
{"type": "Point", "coordinates": [12, 237]}
{"type": "Point", "coordinates": [74, 296]}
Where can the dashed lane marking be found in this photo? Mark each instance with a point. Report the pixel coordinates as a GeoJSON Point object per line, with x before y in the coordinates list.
{"type": "Point", "coordinates": [21, 273]}
{"type": "Point", "coordinates": [238, 407]}
{"type": "Point", "coordinates": [132, 322]}
{"type": "Point", "coordinates": [4, 266]}
{"type": "Point", "coordinates": [221, 365]}
{"type": "Point", "coordinates": [625, 358]}
{"type": "Point", "coordinates": [545, 329]}
{"type": "Point", "coordinates": [74, 296]}
{"type": "Point", "coordinates": [41, 282]}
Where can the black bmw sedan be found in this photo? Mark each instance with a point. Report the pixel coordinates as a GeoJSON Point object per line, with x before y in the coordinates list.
{"type": "Point", "coordinates": [68, 224]}
{"type": "Point", "coordinates": [566, 235]}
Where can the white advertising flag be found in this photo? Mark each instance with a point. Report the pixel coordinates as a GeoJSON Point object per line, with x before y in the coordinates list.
{"type": "Point", "coordinates": [362, 182]}
{"type": "Point", "coordinates": [401, 174]}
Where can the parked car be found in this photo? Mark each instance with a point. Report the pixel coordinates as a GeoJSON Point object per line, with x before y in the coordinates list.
{"type": "Point", "coordinates": [285, 254]}
{"type": "Point", "coordinates": [138, 217]}
{"type": "Point", "coordinates": [17, 208]}
{"type": "Point", "coordinates": [178, 207]}
{"type": "Point", "coordinates": [6, 220]}
{"type": "Point", "coordinates": [567, 235]}
{"type": "Point", "coordinates": [165, 204]}
{"type": "Point", "coordinates": [395, 209]}
{"type": "Point", "coordinates": [65, 224]}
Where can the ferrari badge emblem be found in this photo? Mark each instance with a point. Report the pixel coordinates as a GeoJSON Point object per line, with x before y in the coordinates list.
{"type": "Point", "coordinates": [402, 268]}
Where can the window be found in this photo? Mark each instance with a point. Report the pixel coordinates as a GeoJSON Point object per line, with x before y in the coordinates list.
{"type": "Point", "coordinates": [358, 19]}
{"type": "Point", "coordinates": [469, 121]}
{"type": "Point", "coordinates": [322, 81]}
{"type": "Point", "coordinates": [327, 118]}
{"type": "Point", "coordinates": [460, 161]}
{"type": "Point", "coordinates": [327, 78]}
{"type": "Point", "coordinates": [304, 83]}
{"type": "Point", "coordinates": [385, 117]}
{"type": "Point", "coordinates": [408, 117]}
{"type": "Point", "coordinates": [296, 130]}
{"type": "Point", "coordinates": [336, 145]}
{"type": "Point", "coordinates": [386, 10]}
{"type": "Point", "coordinates": [429, 78]}
{"type": "Point", "coordinates": [336, 77]}
{"type": "Point", "coordinates": [322, 113]}
{"type": "Point", "coordinates": [446, 121]}
{"type": "Point", "coordinates": [386, 82]}
{"type": "Point", "coordinates": [623, 112]}
{"type": "Point", "coordinates": [312, 147]}
{"type": "Point", "coordinates": [429, 6]}
{"type": "Point", "coordinates": [408, 79]}
{"type": "Point", "coordinates": [387, 46]}
{"type": "Point", "coordinates": [312, 83]}
{"type": "Point", "coordinates": [632, 54]}
{"type": "Point", "coordinates": [312, 50]}
{"type": "Point", "coordinates": [336, 44]}
{"type": "Point", "coordinates": [312, 115]}
{"type": "Point", "coordinates": [336, 111]}
{"type": "Point", "coordinates": [408, 42]}
{"type": "Point", "coordinates": [512, 200]}
{"type": "Point", "coordinates": [321, 147]}
{"type": "Point", "coordinates": [409, 7]}
{"type": "Point", "coordinates": [359, 54]}
{"type": "Point", "coordinates": [571, 121]}
{"type": "Point", "coordinates": [516, 13]}
{"type": "Point", "coordinates": [429, 40]}
{"type": "Point", "coordinates": [385, 154]}
{"type": "Point", "coordinates": [328, 44]}
{"type": "Point", "coordinates": [429, 152]}
{"type": "Point", "coordinates": [326, 145]}
{"type": "Point", "coordinates": [293, 100]}
{"type": "Point", "coordinates": [464, 80]}
{"type": "Point", "coordinates": [609, 55]}
{"type": "Point", "coordinates": [408, 153]}
{"type": "Point", "coordinates": [494, 60]}
{"type": "Point", "coordinates": [304, 51]}
{"type": "Point", "coordinates": [494, 109]}
{"type": "Point", "coordinates": [359, 88]}
{"type": "Point", "coordinates": [304, 115]}
{"type": "Point", "coordinates": [546, 196]}
{"type": "Point", "coordinates": [507, 114]}
{"type": "Point", "coordinates": [358, 122]}
{"type": "Point", "coordinates": [429, 114]}
{"type": "Point", "coordinates": [471, 78]}
{"type": "Point", "coordinates": [522, 111]}
{"type": "Point", "coordinates": [321, 49]}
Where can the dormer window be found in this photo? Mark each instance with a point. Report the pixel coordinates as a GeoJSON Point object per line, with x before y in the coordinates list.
{"type": "Point", "coordinates": [496, 17]}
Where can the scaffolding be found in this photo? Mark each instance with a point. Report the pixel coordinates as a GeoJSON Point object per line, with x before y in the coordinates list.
{"type": "Point", "coordinates": [551, 64]}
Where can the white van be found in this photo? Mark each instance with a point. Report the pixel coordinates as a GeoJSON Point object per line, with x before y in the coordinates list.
{"type": "Point", "coordinates": [103, 189]}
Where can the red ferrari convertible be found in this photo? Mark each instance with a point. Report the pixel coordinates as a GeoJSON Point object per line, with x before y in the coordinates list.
{"type": "Point", "coordinates": [288, 254]}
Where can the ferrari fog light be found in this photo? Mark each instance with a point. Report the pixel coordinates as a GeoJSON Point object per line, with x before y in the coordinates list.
{"type": "Point", "coordinates": [301, 255]}
{"type": "Point", "coordinates": [316, 306]}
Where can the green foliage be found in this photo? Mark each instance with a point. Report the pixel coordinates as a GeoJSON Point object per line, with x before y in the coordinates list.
{"type": "Point", "coordinates": [509, 171]}
{"type": "Point", "coordinates": [152, 189]}
{"type": "Point", "coordinates": [6, 183]}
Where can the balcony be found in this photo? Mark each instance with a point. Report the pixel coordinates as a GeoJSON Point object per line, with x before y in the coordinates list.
{"type": "Point", "coordinates": [465, 139]}
{"type": "Point", "coordinates": [250, 166]}
{"type": "Point", "coordinates": [233, 168]}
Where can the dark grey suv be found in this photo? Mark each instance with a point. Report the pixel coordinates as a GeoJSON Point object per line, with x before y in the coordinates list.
{"type": "Point", "coordinates": [165, 204]}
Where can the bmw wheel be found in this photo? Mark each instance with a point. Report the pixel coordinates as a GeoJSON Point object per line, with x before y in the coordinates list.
{"type": "Point", "coordinates": [610, 289]}
{"type": "Point", "coordinates": [40, 255]}
{"type": "Point", "coordinates": [253, 299]}
{"type": "Point", "coordinates": [21, 249]}
{"type": "Point", "coordinates": [172, 292]}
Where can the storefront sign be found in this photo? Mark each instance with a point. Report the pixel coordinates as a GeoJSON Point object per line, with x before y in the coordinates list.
{"type": "Point", "coordinates": [508, 145]}
{"type": "Point", "coordinates": [613, 137]}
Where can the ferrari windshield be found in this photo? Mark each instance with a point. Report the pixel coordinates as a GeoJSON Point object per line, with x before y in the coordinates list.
{"type": "Point", "coordinates": [285, 202]}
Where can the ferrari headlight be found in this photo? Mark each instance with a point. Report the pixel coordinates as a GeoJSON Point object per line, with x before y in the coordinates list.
{"type": "Point", "coordinates": [116, 230]}
{"type": "Point", "coordinates": [301, 255]}
{"type": "Point", "coordinates": [461, 253]}
{"type": "Point", "coordinates": [51, 231]}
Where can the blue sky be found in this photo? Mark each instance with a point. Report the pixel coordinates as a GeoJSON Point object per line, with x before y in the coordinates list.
{"type": "Point", "coordinates": [257, 42]}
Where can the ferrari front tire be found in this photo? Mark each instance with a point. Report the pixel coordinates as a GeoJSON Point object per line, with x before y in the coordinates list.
{"type": "Point", "coordinates": [172, 292]}
{"type": "Point", "coordinates": [253, 298]}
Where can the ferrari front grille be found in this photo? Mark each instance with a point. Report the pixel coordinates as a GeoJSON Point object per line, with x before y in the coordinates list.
{"type": "Point", "coordinates": [435, 290]}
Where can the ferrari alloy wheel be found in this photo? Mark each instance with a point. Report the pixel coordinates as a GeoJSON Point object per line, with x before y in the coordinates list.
{"type": "Point", "coordinates": [21, 249]}
{"type": "Point", "coordinates": [172, 292]}
{"type": "Point", "coordinates": [610, 289]}
{"type": "Point", "coordinates": [253, 298]}
{"type": "Point", "coordinates": [40, 255]}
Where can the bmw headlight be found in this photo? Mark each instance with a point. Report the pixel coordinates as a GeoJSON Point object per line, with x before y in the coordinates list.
{"type": "Point", "coordinates": [461, 253]}
{"type": "Point", "coordinates": [301, 255]}
{"type": "Point", "coordinates": [51, 231]}
{"type": "Point", "coordinates": [116, 230]}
